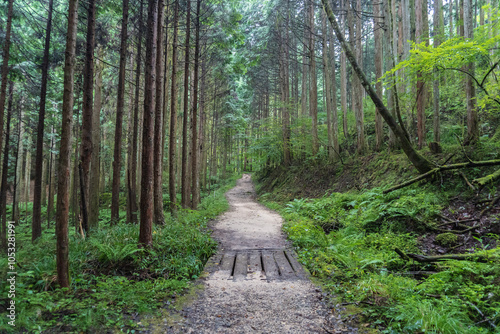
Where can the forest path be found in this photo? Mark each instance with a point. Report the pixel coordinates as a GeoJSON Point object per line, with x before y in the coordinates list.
{"type": "Point", "coordinates": [254, 283]}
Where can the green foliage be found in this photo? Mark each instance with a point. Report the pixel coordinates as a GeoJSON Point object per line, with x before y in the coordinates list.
{"type": "Point", "coordinates": [113, 279]}
{"type": "Point", "coordinates": [347, 241]}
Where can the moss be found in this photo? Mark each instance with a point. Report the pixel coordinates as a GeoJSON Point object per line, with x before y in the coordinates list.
{"type": "Point", "coordinates": [446, 239]}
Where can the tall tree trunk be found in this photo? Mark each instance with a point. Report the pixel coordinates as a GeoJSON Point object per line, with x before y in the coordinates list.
{"type": "Point", "coordinates": [328, 90]}
{"type": "Point", "coordinates": [313, 93]}
{"type": "Point", "coordinates": [391, 46]}
{"type": "Point", "coordinates": [357, 86]}
{"type": "Point", "coordinates": [62, 211]}
{"type": "Point", "coordinates": [438, 35]}
{"type": "Point", "coordinates": [335, 116]}
{"type": "Point", "coordinates": [195, 168]}
{"type": "Point", "coordinates": [36, 222]}
{"type": "Point", "coordinates": [50, 205]}
{"type": "Point", "coordinates": [5, 172]}
{"type": "Point", "coordinates": [173, 118]}
{"type": "Point", "coordinates": [94, 180]}
{"type": "Point", "coordinates": [470, 90]}
{"type": "Point", "coordinates": [120, 101]}
{"type": "Point", "coordinates": [378, 34]}
{"type": "Point", "coordinates": [130, 145]}
{"type": "Point", "coordinates": [343, 79]}
{"type": "Point", "coordinates": [18, 168]}
{"type": "Point", "coordinates": [419, 37]}
{"type": "Point", "coordinates": [158, 127]}
{"type": "Point", "coordinates": [135, 134]}
{"type": "Point", "coordinates": [185, 119]}
{"type": "Point", "coordinates": [5, 67]}
{"type": "Point", "coordinates": [420, 163]}
{"type": "Point", "coordinates": [145, 231]}
{"type": "Point", "coordinates": [88, 91]}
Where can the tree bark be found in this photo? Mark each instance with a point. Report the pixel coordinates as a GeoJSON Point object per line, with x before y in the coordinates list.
{"type": "Point", "coordinates": [419, 32]}
{"type": "Point", "coordinates": [88, 91]}
{"type": "Point", "coordinates": [185, 119]}
{"type": "Point", "coordinates": [158, 218]}
{"type": "Point", "coordinates": [470, 90]}
{"type": "Point", "coordinates": [418, 161]}
{"type": "Point", "coordinates": [135, 134]}
{"type": "Point", "coordinates": [195, 166]}
{"type": "Point", "coordinates": [5, 172]}
{"type": "Point", "coordinates": [146, 225]}
{"type": "Point", "coordinates": [438, 35]}
{"type": "Point", "coordinates": [328, 94]}
{"type": "Point", "coordinates": [173, 118]}
{"type": "Point", "coordinates": [120, 101]}
{"type": "Point", "coordinates": [378, 35]}
{"type": "Point", "coordinates": [94, 179]}
{"type": "Point", "coordinates": [62, 212]}
{"type": "Point", "coordinates": [313, 93]}
{"type": "Point", "coordinates": [36, 222]}
{"type": "Point", "coordinates": [5, 67]}
{"type": "Point", "coordinates": [358, 87]}
{"type": "Point", "coordinates": [343, 79]}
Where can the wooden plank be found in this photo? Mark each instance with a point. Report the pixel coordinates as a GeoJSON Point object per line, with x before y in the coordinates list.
{"type": "Point", "coordinates": [297, 267]}
{"type": "Point", "coordinates": [285, 269]}
{"type": "Point", "coordinates": [240, 266]}
{"type": "Point", "coordinates": [270, 267]}
{"type": "Point", "coordinates": [254, 265]}
{"type": "Point", "coordinates": [227, 264]}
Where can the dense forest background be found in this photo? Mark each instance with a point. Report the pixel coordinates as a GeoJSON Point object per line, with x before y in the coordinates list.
{"type": "Point", "coordinates": [117, 113]}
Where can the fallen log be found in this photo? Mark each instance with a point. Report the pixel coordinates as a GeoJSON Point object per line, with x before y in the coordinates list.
{"type": "Point", "coordinates": [430, 173]}
{"type": "Point", "coordinates": [436, 258]}
{"type": "Point", "coordinates": [482, 181]}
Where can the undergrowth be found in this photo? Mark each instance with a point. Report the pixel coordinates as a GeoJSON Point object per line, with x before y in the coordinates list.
{"type": "Point", "coordinates": [113, 281]}
{"type": "Point", "coordinates": [347, 242]}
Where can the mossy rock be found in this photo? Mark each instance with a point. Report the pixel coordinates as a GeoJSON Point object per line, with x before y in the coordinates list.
{"type": "Point", "coordinates": [446, 239]}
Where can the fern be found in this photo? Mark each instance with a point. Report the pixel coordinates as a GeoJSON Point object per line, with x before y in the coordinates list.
{"type": "Point", "coordinates": [116, 253]}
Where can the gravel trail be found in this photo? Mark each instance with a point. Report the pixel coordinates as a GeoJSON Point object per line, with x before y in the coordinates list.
{"type": "Point", "coordinates": [254, 284]}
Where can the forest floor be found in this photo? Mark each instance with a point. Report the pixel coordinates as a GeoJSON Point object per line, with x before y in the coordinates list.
{"type": "Point", "coordinates": [253, 284]}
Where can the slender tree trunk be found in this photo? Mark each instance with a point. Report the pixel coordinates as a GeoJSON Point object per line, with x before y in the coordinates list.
{"type": "Point", "coordinates": [120, 101]}
{"type": "Point", "coordinates": [145, 231]}
{"type": "Point", "coordinates": [328, 90]}
{"type": "Point", "coordinates": [18, 167]}
{"type": "Point", "coordinates": [50, 205]}
{"type": "Point", "coordinates": [378, 34]}
{"type": "Point", "coordinates": [357, 86]}
{"type": "Point", "coordinates": [195, 174]}
{"type": "Point", "coordinates": [313, 96]}
{"type": "Point", "coordinates": [5, 172]}
{"type": "Point", "coordinates": [135, 134]}
{"type": "Point", "coordinates": [36, 222]}
{"type": "Point", "coordinates": [130, 145]}
{"type": "Point", "coordinates": [158, 123]}
{"type": "Point", "coordinates": [94, 180]}
{"type": "Point", "coordinates": [15, 195]}
{"type": "Point", "coordinates": [419, 36]}
{"type": "Point", "coordinates": [438, 35]}
{"type": "Point", "coordinates": [343, 86]}
{"type": "Point", "coordinates": [88, 91]}
{"type": "Point", "coordinates": [420, 163]}
{"type": "Point", "coordinates": [470, 90]}
{"type": "Point", "coordinates": [185, 119]}
{"type": "Point", "coordinates": [173, 117]}
{"type": "Point", "coordinates": [62, 212]}
{"type": "Point", "coordinates": [5, 67]}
